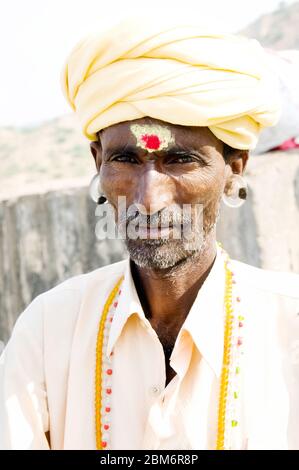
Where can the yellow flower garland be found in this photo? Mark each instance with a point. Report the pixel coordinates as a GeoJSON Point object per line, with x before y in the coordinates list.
{"type": "Point", "coordinates": [98, 369]}
{"type": "Point", "coordinates": [226, 359]}
{"type": "Point", "coordinates": [225, 365]}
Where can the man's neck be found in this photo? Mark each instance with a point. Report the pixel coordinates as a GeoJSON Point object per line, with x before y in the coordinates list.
{"type": "Point", "coordinates": [167, 295]}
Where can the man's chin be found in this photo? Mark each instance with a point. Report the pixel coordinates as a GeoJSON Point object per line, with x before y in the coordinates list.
{"type": "Point", "coordinates": [161, 253]}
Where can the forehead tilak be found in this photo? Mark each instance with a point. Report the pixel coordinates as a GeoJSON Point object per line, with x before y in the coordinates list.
{"type": "Point", "coordinates": [152, 137]}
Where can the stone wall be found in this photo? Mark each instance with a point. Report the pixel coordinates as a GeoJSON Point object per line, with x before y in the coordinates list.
{"type": "Point", "coordinates": [49, 236]}
{"type": "Point", "coordinates": [44, 239]}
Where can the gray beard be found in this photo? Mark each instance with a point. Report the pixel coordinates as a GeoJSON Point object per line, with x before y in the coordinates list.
{"type": "Point", "coordinates": [159, 254]}
{"type": "Point", "coordinates": [166, 253]}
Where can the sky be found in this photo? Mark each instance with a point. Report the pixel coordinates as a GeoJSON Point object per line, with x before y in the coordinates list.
{"type": "Point", "coordinates": [37, 35]}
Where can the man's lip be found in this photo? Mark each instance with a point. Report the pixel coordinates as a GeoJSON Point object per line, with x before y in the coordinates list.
{"type": "Point", "coordinates": [156, 226]}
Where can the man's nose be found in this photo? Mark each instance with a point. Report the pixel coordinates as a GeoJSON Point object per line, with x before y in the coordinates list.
{"type": "Point", "coordinates": [154, 190]}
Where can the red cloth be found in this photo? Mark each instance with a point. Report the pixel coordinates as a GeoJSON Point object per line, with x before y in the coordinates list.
{"type": "Point", "coordinates": [288, 144]}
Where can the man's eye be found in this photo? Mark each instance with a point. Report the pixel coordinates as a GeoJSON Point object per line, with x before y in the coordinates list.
{"type": "Point", "coordinates": [185, 159]}
{"type": "Point", "coordinates": [124, 158]}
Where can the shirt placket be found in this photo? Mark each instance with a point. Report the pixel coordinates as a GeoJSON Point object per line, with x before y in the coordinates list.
{"type": "Point", "coordinates": [164, 399]}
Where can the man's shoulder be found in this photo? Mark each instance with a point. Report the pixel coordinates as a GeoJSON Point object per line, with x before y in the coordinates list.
{"type": "Point", "coordinates": [62, 302]}
{"type": "Point", "coordinates": [281, 283]}
{"type": "Point", "coordinates": [81, 282]}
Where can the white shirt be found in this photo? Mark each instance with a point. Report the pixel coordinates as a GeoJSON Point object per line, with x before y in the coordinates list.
{"type": "Point", "coordinates": [47, 368]}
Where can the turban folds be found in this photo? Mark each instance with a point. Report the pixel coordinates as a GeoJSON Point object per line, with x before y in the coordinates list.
{"type": "Point", "coordinates": [177, 72]}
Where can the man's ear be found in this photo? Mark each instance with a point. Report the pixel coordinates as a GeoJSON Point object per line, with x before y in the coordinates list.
{"type": "Point", "coordinates": [96, 151]}
{"type": "Point", "coordinates": [237, 160]}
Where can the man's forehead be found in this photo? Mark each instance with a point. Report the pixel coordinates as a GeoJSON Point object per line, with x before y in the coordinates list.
{"type": "Point", "coordinates": [153, 134]}
{"type": "Point", "coordinates": [127, 127]}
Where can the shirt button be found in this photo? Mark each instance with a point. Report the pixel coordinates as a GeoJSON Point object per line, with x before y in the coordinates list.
{"type": "Point", "coordinates": [155, 390]}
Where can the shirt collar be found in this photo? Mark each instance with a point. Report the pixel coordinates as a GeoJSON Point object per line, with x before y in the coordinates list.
{"type": "Point", "coordinates": [128, 304]}
{"type": "Point", "coordinates": [204, 322]}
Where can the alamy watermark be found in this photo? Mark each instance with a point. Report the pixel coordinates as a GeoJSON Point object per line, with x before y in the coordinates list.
{"type": "Point", "coordinates": [174, 222]}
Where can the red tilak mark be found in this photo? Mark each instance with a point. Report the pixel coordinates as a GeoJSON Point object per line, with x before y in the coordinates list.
{"type": "Point", "coordinates": [151, 141]}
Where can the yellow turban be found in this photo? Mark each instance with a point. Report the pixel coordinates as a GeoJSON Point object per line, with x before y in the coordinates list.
{"type": "Point", "coordinates": [179, 73]}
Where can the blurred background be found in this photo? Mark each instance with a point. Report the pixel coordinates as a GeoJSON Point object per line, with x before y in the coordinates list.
{"type": "Point", "coordinates": [47, 221]}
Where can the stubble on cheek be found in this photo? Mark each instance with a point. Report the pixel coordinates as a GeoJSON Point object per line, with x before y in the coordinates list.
{"type": "Point", "coordinates": [211, 200]}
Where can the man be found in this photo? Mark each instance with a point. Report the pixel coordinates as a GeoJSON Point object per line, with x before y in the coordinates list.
{"type": "Point", "coordinates": [176, 347]}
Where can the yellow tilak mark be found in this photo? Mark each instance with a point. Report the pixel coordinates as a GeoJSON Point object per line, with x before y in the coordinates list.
{"type": "Point", "coordinates": [152, 137]}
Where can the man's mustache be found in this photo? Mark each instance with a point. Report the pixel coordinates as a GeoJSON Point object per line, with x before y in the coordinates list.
{"type": "Point", "coordinates": [161, 218]}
